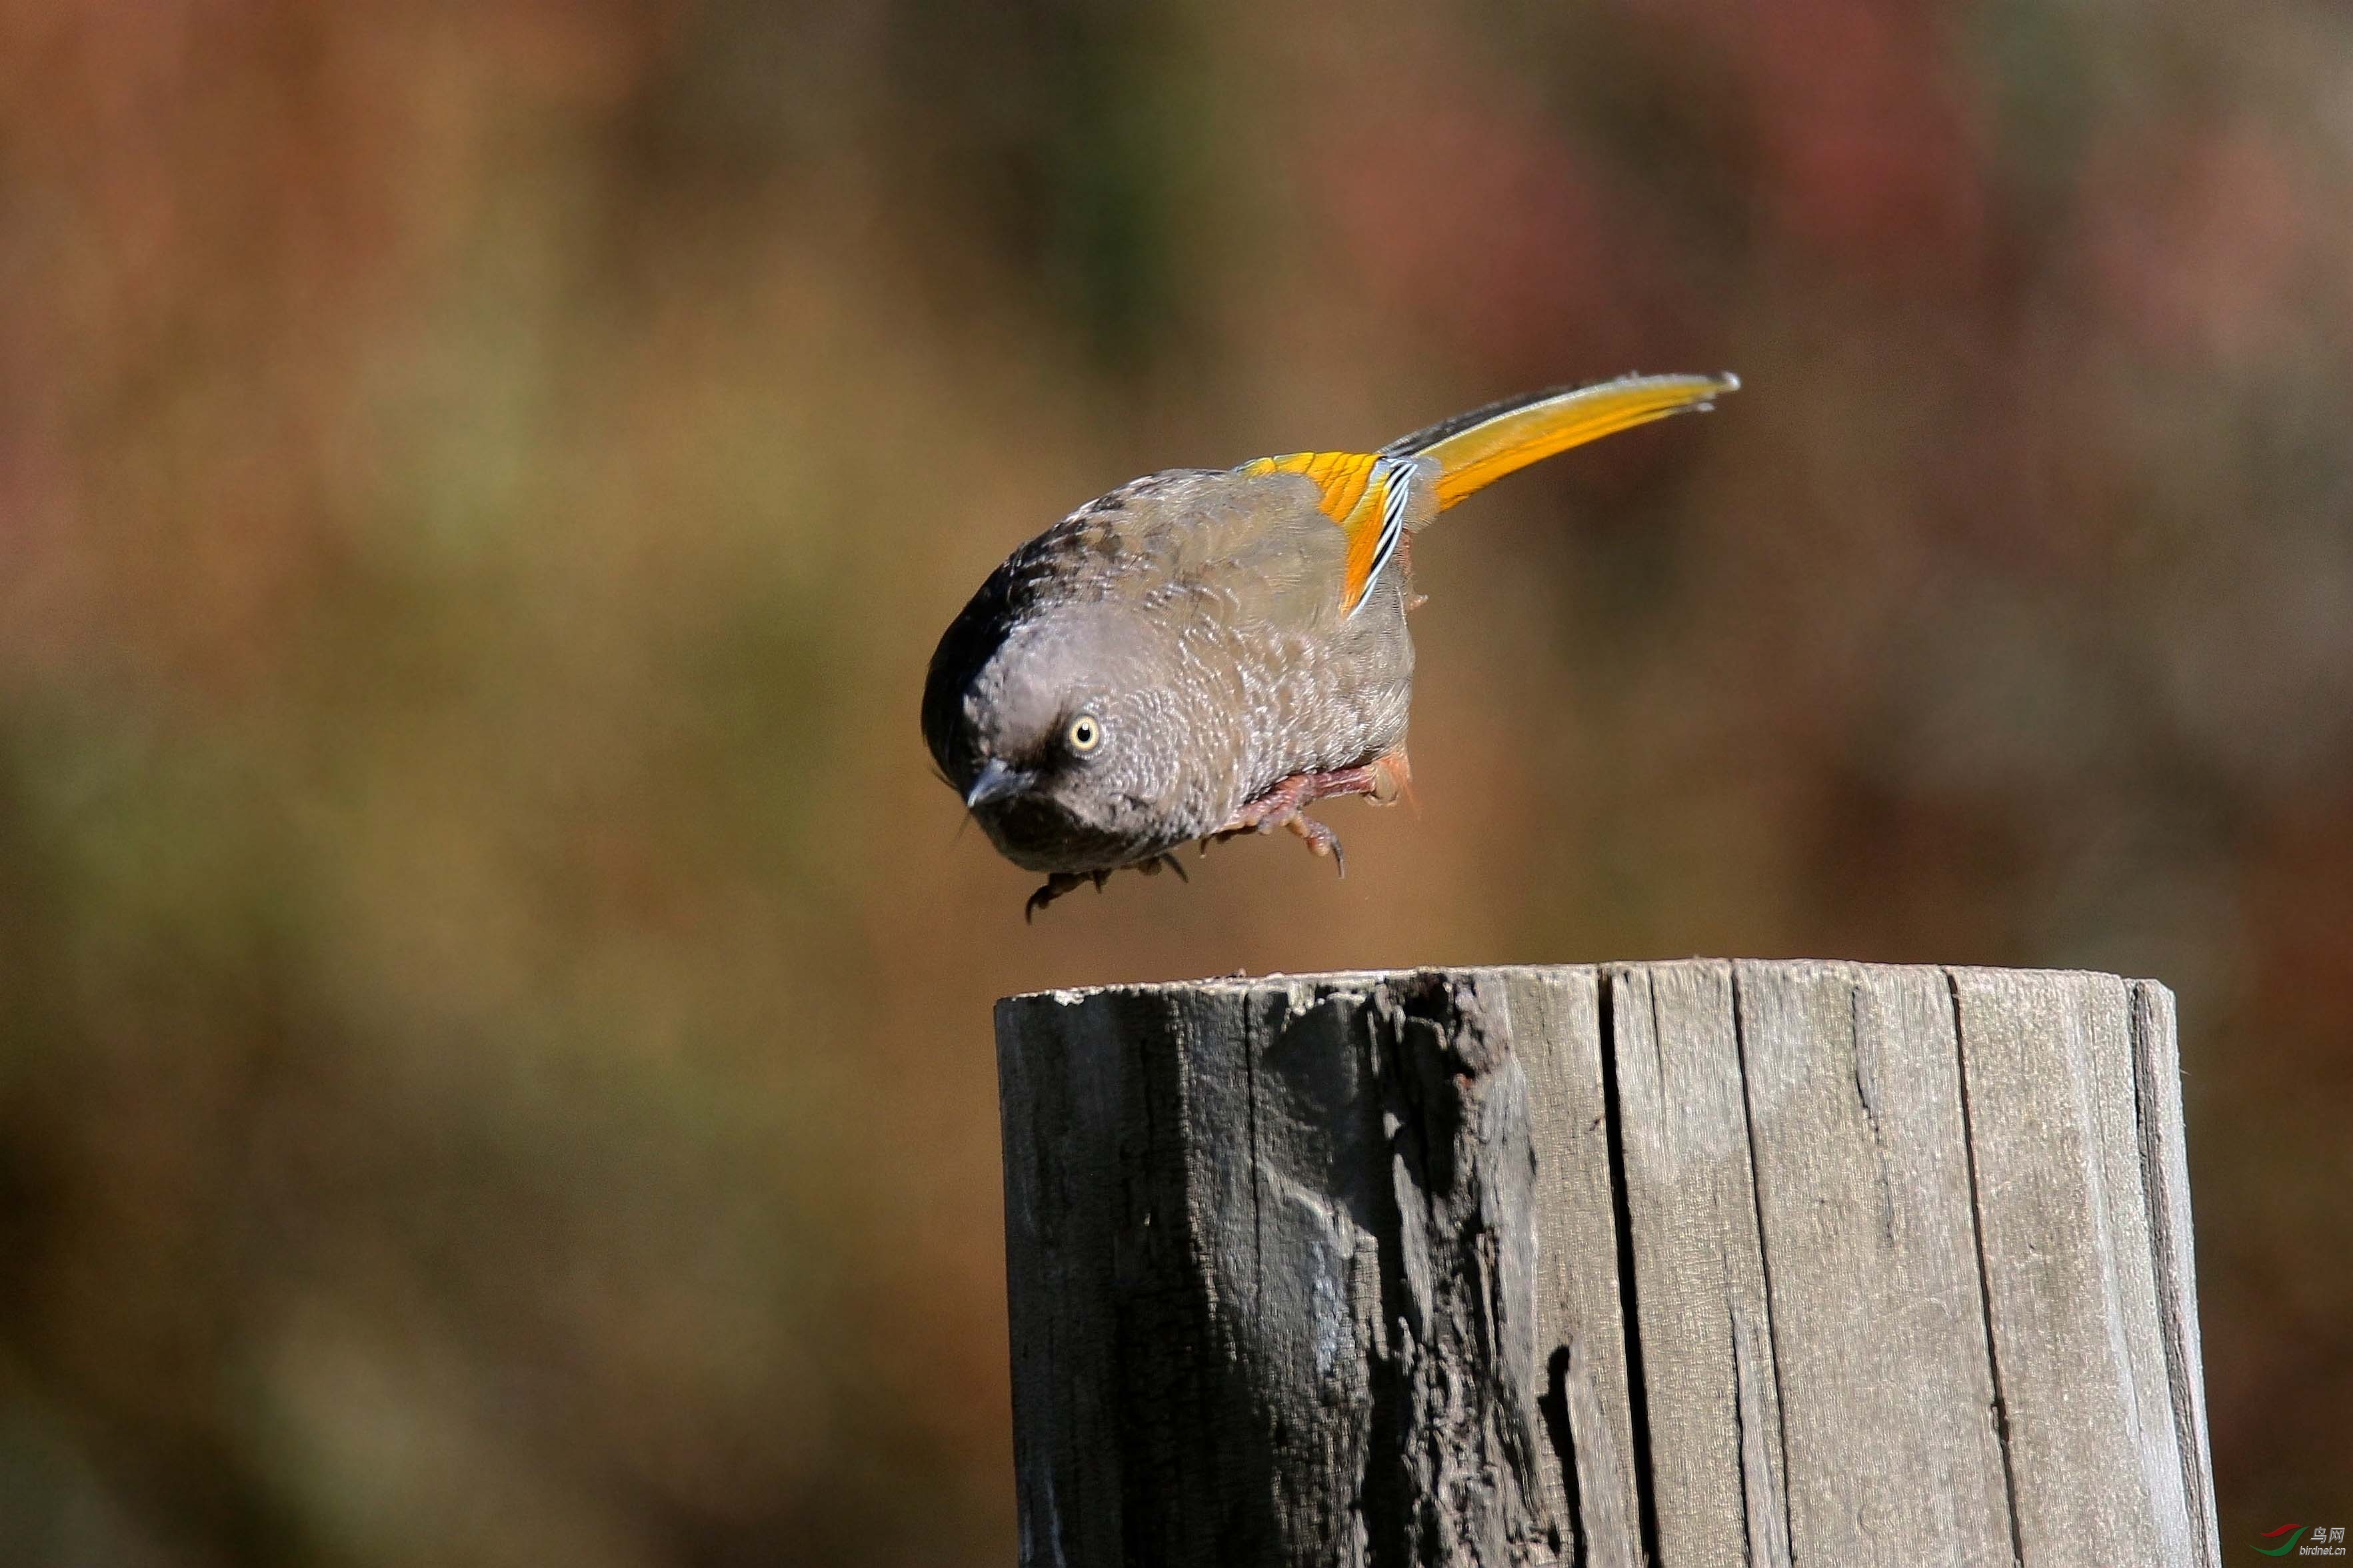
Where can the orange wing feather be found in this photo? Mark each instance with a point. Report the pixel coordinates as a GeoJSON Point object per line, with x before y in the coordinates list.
{"type": "Point", "coordinates": [1356, 492]}
{"type": "Point", "coordinates": [1341, 476]}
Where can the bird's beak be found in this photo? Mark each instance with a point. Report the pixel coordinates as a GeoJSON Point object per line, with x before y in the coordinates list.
{"type": "Point", "coordinates": [996, 782]}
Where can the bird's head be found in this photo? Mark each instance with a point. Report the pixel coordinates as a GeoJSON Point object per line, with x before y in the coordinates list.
{"type": "Point", "coordinates": [1061, 733]}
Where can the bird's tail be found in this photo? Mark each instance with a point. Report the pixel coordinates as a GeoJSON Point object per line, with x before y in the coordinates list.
{"type": "Point", "coordinates": [1473, 450]}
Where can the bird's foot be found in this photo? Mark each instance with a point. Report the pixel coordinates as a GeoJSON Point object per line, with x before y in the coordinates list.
{"type": "Point", "coordinates": [1319, 839]}
{"type": "Point", "coordinates": [1057, 884]}
{"type": "Point", "coordinates": [1285, 804]}
{"type": "Point", "coordinates": [1060, 882]}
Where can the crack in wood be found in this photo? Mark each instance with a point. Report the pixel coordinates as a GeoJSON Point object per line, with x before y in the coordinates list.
{"type": "Point", "coordinates": [1985, 1282]}
{"type": "Point", "coordinates": [1764, 1268]}
{"type": "Point", "coordinates": [1621, 1214]}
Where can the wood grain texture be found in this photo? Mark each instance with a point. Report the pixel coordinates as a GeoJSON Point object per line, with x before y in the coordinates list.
{"type": "Point", "coordinates": [1701, 1262]}
{"type": "Point", "coordinates": [1588, 1407]}
{"type": "Point", "coordinates": [1853, 1081]}
{"type": "Point", "coordinates": [2070, 1266]}
{"type": "Point", "coordinates": [1717, 1446]}
{"type": "Point", "coordinates": [2165, 1172]}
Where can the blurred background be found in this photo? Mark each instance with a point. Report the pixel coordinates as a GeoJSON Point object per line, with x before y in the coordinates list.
{"type": "Point", "coordinates": [494, 1007]}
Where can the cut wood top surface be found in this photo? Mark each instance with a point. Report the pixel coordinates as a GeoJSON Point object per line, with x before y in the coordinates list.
{"type": "Point", "coordinates": [1343, 979]}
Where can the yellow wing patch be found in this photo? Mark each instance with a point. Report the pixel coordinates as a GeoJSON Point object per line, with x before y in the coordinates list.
{"type": "Point", "coordinates": [1366, 495]}
{"type": "Point", "coordinates": [1341, 476]}
{"type": "Point", "coordinates": [1361, 493]}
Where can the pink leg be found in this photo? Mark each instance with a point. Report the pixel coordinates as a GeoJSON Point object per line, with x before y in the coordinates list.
{"type": "Point", "coordinates": [1285, 804]}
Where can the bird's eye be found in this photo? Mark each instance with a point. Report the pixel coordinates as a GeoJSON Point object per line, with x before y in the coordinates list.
{"type": "Point", "coordinates": [1086, 732]}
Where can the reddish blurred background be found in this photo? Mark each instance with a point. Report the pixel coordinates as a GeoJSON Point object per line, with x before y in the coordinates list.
{"type": "Point", "coordinates": [494, 1055]}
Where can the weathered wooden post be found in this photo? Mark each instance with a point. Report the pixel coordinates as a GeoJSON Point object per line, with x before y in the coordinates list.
{"type": "Point", "coordinates": [1700, 1263]}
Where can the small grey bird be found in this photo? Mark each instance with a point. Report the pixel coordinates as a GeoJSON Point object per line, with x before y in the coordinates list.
{"type": "Point", "coordinates": [1209, 651]}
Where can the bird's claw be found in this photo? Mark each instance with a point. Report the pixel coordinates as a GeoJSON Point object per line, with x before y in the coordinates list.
{"type": "Point", "coordinates": [1059, 883]}
{"type": "Point", "coordinates": [1283, 805]}
{"type": "Point", "coordinates": [1319, 838]}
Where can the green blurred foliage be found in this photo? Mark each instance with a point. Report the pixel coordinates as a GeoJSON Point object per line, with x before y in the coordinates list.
{"type": "Point", "coordinates": [494, 1057]}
